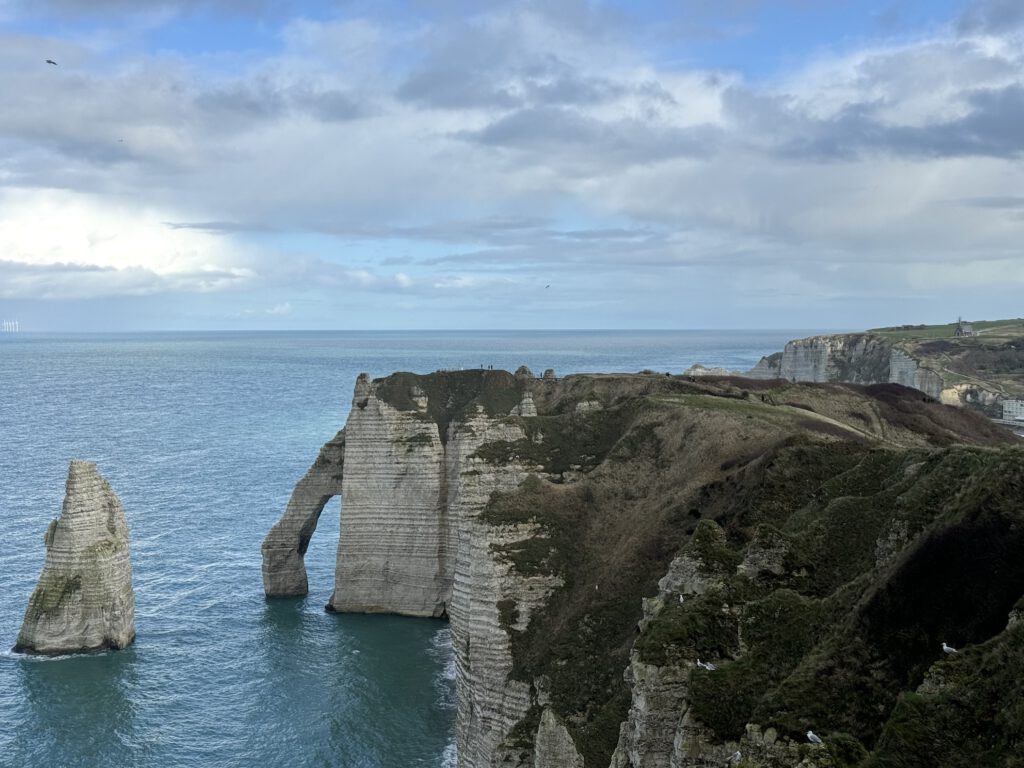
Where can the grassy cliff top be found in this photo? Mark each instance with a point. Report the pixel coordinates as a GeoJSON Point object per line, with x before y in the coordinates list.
{"type": "Point", "coordinates": [988, 331]}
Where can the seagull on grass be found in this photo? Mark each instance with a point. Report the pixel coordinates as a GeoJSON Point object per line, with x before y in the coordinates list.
{"type": "Point", "coordinates": [947, 648]}
{"type": "Point", "coordinates": [706, 665]}
{"type": "Point", "coordinates": [813, 737]}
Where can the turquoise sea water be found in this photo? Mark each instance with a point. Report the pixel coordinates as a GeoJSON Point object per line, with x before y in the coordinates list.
{"type": "Point", "coordinates": [203, 437]}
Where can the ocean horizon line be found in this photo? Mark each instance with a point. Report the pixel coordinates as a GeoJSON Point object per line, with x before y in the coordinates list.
{"type": "Point", "coordinates": [283, 331]}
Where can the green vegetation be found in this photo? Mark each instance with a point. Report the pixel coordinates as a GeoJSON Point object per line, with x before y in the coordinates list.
{"type": "Point", "coordinates": [561, 443]}
{"type": "Point", "coordinates": [871, 523]}
{"type": "Point", "coordinates": [974, 718]}
{"type": "Point", "coordinates": [875, 632]}
{"type": "Point", "coordinates": [701, 627]}
{"type": "Point", "coordinates": [451, 394]}
{"type": "Point", "coordinates": [989, 328]}
{"type": "Point", "coordinates": [52, 591]}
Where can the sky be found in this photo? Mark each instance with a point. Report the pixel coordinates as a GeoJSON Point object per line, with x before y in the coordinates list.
{"type": "Point", "coordinates": [474, 164]}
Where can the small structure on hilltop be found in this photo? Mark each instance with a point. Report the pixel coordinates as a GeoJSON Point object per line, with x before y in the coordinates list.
{"type": "Point", "coordinates": [963, 328]}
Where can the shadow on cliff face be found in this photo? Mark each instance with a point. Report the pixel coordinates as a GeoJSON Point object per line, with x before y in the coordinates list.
{"type": "Point", "coordinates": [956, 582]}
{"type": "Point", "coordinates": [958, 586]}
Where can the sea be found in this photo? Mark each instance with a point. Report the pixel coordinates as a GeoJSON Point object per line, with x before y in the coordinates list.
{"type": "Point", "coordinates": [203, 436]}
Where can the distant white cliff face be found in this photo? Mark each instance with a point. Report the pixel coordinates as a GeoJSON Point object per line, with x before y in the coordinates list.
{"type": "Point", "coordinates": [848, 358]}
{"type": "Point", "coordinates": [84, 599]}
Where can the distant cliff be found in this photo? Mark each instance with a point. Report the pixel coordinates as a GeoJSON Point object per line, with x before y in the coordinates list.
{"type": "Point", "coordinates": [591, 537]}
{"type": "Point", "coordinates": [978, 371]}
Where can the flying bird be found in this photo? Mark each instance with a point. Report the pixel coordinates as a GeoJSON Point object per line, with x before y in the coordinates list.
{"type": "Point", "coordinates": [51, 61]}
{"type": "Point", "coordinates": [947, 648]}
{"type": "Point", "coordinates": [547, 286]}
{"type": "Point", "coordinates": [813, 737]}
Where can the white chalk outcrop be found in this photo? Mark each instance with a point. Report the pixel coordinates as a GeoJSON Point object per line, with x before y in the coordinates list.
{"type": "Point", "coordinates": [395, 546]}
{"type": "Point", "coordinates": [412, 541]}
{"type": "Point", "coordinates": [855, 358]}
{"type": "Point", "coordinates": [84, 599]}
{"type": "Point", "coordinates": [554, 746]}
{"type": "Point", "coordinates": [284, 549]}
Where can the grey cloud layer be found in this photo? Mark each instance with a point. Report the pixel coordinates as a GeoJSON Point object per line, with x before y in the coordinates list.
{"type": "Point", "coordinates": [991, 17]}
{"type": "Point", "coordinates": [509, 146]}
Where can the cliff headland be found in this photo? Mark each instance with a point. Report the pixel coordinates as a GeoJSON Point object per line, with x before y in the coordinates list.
{"type": "Point", "coordinates": [592, 538]}
{"type": "Point", "coordinates": [977, 364]}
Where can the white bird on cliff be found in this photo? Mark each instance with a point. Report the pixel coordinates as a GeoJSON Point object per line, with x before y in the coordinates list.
{"type": "Point", "coordinates": [736, 756]}
{"type": "Point", "coordinates": [813, 737]}
{"type": "Point", "coordinates": [948, 648]}
{"type": "Point", "coordinates": [706, 665]}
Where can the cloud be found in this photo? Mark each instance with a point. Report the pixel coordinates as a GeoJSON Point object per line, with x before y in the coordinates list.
{"type": "Point", "coordinates": [995, 17]}
{"type": "Point", "coordinates": [568, 135]}
{"type": "Point", "coordinates": [1003, 202]}
{"type": "Point", "coordinates": [989, 129]}
{"type": "Point", "coordinates": [85, 8]}
{"type": "Point", "coordinates": [56, 245]}
{"type": "Point", "coordinates": [485, 148]}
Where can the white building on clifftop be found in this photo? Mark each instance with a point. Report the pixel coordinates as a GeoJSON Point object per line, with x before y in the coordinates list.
{"type": "Point", "coordinates": [1013, 410]}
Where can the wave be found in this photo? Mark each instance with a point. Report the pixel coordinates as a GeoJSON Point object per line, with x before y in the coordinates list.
{"type": "Point", "coordinates": [442, 652]}
{"type": "Point", "coordinates": [38, 657]}
{"type": "Point", "coordinates": [450, 756]}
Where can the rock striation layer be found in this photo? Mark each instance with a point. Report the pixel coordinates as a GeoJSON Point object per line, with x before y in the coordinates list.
{"type": "Point", "coordinates": [84, 599]}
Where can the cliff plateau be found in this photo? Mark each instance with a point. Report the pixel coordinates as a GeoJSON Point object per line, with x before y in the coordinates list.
{"type": "Point", "coordinates": [591, 538]}
{"type": "Point", "coordinates": [84, 599]}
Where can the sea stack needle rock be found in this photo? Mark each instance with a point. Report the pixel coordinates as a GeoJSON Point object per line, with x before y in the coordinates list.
{"type": "Point", "coordinates": [83, 600]}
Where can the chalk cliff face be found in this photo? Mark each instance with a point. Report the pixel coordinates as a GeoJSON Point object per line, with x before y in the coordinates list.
{"type": "Point", "coordinates": [83, 600]}
{"type": "Point", "coordinates": [855, 358]}
{"type": "Point", "coordinates": [411, 542]}
{"type": "Point", "coordinates": [590, 538]}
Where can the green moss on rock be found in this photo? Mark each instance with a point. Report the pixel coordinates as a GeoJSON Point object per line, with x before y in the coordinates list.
{"type": "Point", "coordinates": [451, 394]}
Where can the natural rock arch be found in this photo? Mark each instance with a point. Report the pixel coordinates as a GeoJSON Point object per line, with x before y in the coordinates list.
{"type": "Point", "coordinates": [284, 548]}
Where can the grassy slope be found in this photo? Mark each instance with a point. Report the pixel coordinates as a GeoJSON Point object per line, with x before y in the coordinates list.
{"type": "Point", "coordinates": [824, 469]}
{"type": "Point", "coordinates": [671, 455]}
{"type": "Point", "coordinates": [989, 329]}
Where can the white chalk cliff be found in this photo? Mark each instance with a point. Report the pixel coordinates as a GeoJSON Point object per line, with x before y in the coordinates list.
{"type": "Point", "coordinates": [412, 543]}
{"type": "Point", "coordinates": [83, 600]}
{"type": "Point", "coordinates": [855, 358]}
